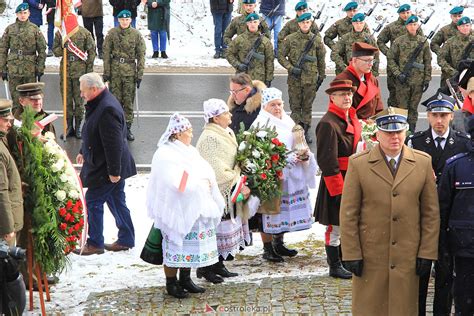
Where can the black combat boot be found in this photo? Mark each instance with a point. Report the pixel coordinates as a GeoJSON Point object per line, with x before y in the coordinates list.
{"type": "Point", "coordinates": [280, 248]}
{"type": "Point", "coordinates": [336, 270]}
{"type": "Point", "coordinates": [156, 54]}
{"type": "Point", "coordinates": [187, 283]}
{"type": "Point", "coordinates": [217, 55]}
{"type": "Point", "coordinates": [163, 54]}
{"type": "Point", "coordinates": [209, 275]}
{"type": "Point", "coordinates": [130, 136]}
{"type": "Point", "coordinates": [220, 269]}
{"type": "Point", "coordinates": [70, 128]}
{"type": "Point", "coordinates": [77, 125]}
{"type": "Point", "coordinates": [269, 254]}
{"type": "Point", "coordinates": [174, 289]}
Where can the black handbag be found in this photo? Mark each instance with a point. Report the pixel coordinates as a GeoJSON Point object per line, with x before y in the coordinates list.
{"type": "Point", "coordinates": [152, 250]}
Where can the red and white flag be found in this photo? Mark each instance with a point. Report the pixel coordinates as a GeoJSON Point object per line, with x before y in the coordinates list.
{"type": "Point", "coordinates": [66, 21]}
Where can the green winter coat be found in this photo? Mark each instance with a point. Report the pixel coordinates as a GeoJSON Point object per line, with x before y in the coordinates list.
{"type": "Point", "coordinates": [291, 27]}
{"type": "Point", "coordinates": [75, 66]}
{"type": "Point", "coordinates": [238, 26]}
{"type": "Point", "coordinates": [261, 66]}
{"type": "Point", "coordinates": [451, 52]}
{"type": "Point", "coordinates": [445, 33]}
{"type": "Point", "coordinates": [22, 50]}
{"type": "Point", "coordinates": [124, 53]}
{"type": "Point", "coordinates": [338, 29]}
{"type": "Point", "coordinates": [292, 48]}
{"type": "Point", "coordinates": [159, 17]}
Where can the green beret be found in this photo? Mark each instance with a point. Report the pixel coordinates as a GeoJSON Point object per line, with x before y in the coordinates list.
{"type": "Point", "coordinates": [252, 17]}
{"type": "Point", "coordinates": [304, 17]}
{"type": "Point", "coordinates": [22, 7]}
{"type": "Point", "coordinates": [411, 19]}
{"type": "Point", "coordinates": [249, 1]}
{"type": "Point", "coordinates": [464, 20]}
{"type": "Point", "coordinates": [359, 17]}
{"type": "Point", "coordinates": [457, 10]}
{"type": "Point", "coordinates": [403, 8]}
{"type": "Point", "coordinates": [124, 14]}
{"type": "Point", "coordinates": [350, 6]}
{"type": "Point", "coordinates": [301, 5]}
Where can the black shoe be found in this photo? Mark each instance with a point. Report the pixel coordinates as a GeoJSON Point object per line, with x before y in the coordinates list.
{"type": "Point", "coordinates": [174, 289]}
{"type": "Point", "coordinates": [269, 254]}
{"type": "Point", "coordinates": [281, 250]}
{"type": "Point", "coordinates": [163, 54]}
{"type": "Point", "coordinates": [217, 55]}
{"type": "Point", "coordinates": [336, 270]}
{"type": "Point", "coordinates": [209, 275]}
{"type": "Point", "coordinates": [156, 54]}
{"type": "Point", "coordinates": [187, 283]}
{"type": "Point", "coordinates": [220, 269]}
{"type": "Point", "coordinates": [50, 53]}
{"type": "Point", "coordinates": [130, 136]}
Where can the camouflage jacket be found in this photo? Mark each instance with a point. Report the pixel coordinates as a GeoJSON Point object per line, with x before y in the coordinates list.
{"type": "Point", "coordinates": [338, 29]}
{"type": "Point", "coordinates": [451, 52]}
{"type": "Point", "coordinates": [342, 53]}
{"type": "Point", "coordinates": [22, 50]}
{"type": "Point", "coordinates": [291, 27]}
{"type": "Point", "coordinates": [3, 6]}
{"type": "Point", "coordinates": [390, 33]}
{"type": "Point", "coordinates": [76, 67]}
{"type": "Point", "coordinates": [400, 52]}
{"type": "Point", "coordinates": [238, 26]}
{"type": "Point", "coordinates": [124, 53]}
{"type": "Point", "coordinates": [261, 65]}
{"type": "Point", "coordinates": [292, 48]}
{"type": "Point", "coordinates": [445, 33]}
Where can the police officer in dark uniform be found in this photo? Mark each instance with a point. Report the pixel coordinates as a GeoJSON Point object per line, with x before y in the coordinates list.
{"type": "Point", "coordinates": [456, 201]}
{"type": "Point", "coordinates": [441, 142]}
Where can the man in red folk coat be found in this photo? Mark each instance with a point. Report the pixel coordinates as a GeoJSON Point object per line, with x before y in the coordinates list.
{"type": "Point", "coordinates": [337, 135]}
{"type": "Point", "coordinates": [367, 99]}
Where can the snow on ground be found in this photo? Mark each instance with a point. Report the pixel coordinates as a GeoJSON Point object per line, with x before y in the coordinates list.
{"type": "Point", "coordinates": [192, 30]}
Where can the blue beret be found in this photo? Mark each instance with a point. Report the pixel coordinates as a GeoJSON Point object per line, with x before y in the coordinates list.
{"type": "Point", "coordinates": [411, 19]}
{"type": "Point", "coordinates": [301, 5]}
{"type": "Point", "coordinates": [249, 1]}
{"type": "Point", "coordinates": [22, 7]}
{"type": "Point", "coordinates": [350, 6]}
{"type": "Point", "coordinates": [252, 17]}
{"type": "Point", "coordinates": [440, 103]}
{"type": "Point", "coordinates": [124, 14]}
{"type": "Point", "coordinates": [457, 10]}
{"type": "Point", "coordinates": [392, 119]}
{"type": "Point", "coordinates": [403, 8]}
{"type": "Point", "coordinates": [304, 17]}
{"type": "Point", "coordinates": [464, 20]}
{"type": "Point", "coordinates": [359, 17]}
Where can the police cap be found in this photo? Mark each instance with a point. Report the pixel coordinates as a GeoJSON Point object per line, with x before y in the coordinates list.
{"type": "Point", "coordinates": [440, 103]}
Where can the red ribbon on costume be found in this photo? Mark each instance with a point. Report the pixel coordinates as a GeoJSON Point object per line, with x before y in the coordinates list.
{"type": "Point", "coordinates": [353, 126]}
{"type": "Point", "coordinates": [334, 184]}
{"type": "Point", "coordinates": [467, 105]}
{"type": "Point", "coordinates": [367, 90]}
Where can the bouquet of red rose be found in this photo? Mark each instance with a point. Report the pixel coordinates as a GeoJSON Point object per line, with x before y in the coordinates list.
{"type": "Point", "coordinates": [71, 223]}
{"type": "Point", "coordinates": [262, 157]}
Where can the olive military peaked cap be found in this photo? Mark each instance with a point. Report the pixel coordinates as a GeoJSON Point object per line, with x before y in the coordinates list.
{"type": "Point", "coordinates": [6, 108]}
{"type": "Point", "coordinates": [31, 90]}
{"type": "Point", "coordinates": [362, 49]}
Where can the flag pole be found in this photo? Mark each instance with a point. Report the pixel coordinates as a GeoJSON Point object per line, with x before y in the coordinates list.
{"type": "Point", "coordinates": [64, 93]}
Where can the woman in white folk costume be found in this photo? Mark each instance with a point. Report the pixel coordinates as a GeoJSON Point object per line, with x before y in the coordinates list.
{"type": "Point", "coordinates": [218, 146]}
{"type": "Point", "coordinates": [298, 177]}
{"type": "Point", "coordinates": [184, 201]}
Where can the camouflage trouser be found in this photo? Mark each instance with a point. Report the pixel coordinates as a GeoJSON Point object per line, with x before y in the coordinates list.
{"type": "Point", "coordinates": [409, 96]}
{"type": "Point", "coordinates": [123, 88]}
{"type": "Point", "coordinates": [392, 90]}
{"type": "Point", "coordinates": [13, 82]}
{"type": "Point", "coordinates": [74, 102]}
{"type": "Point", "coordinates": [301, 101]}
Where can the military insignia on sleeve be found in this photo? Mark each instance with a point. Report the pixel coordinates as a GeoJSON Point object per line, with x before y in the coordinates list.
{"type": "Point", "coordinates": [428, 140]}
{"type": "Point", "coordinates": [451, 140]}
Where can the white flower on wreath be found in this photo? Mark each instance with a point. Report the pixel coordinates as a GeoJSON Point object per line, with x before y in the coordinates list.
{"type": "Point", "coordinates": [49, 136]}
{"type": "Point", "coordinates": [256, 154]}
{"type": "Point", "coordinates": [246, 133]}
{"type": "Point", "coordinates": [60, 195]}
{"type": "Point", "coordinates": [242, 145]}
{"type": "Point", "coordinates": [261, 134]}
{"type": "Point", "coordinates": [58, 165]}
{"type": "Point", "coordinates": [73, 194]}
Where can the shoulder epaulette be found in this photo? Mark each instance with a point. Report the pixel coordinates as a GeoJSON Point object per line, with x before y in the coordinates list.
{"type": "Point", "coordinates": [456, 157]}
{"type": "Point", "coordinates": [463, 135]}
{"type": "Point", "coordinates": [416, 134]}
{"type": "Point", "coordinates": [360, 154]}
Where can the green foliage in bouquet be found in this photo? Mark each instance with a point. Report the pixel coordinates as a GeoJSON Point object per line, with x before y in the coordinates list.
{"type": "Point", "coordinates": [261, 157]}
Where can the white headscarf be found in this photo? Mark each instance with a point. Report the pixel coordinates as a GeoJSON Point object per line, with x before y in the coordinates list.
{"type": "Point", "coordinates": [270, 94]}
{"type": "Point", "coordinates": [213, 108]}
{"type": "Point", "coordinates": [177, 124]}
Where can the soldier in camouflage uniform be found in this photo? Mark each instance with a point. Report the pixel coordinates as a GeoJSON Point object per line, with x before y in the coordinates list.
{"type": "Point", "coordinates": [238, 24]}
{"type": "Point", "coordinates": [342, 53]}
{"type": "Point", "coordinates": [451, 52]}
{"type": "Point", "coordinates": [261, 64]}
{"type": "Point", "coordinates": [389, 33]}
{"type": "Point", "coordinates": [3, 6]}
{"type": "Point", "coordinates": [76, 67]}
{"type": "Point", "coordinates": [292, 25]}
{"type": "Point", "coordinates": [342, 26]}
{"type": "Point", "coordinates": [447, 31]}
{"type": "Point", "coordinates": [124, 61]}
{"type": "Point", "coordinates": [410, 87]}
{"type": "Point", "coordinates": [303, 82]}
{"type": "Point", "coordinates": [22, 52]}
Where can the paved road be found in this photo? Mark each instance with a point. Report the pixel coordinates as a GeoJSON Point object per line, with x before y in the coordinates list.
{"type": "Point", "coordinates": [162, 94]}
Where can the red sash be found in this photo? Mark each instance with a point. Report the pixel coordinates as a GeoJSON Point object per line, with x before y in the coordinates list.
{"type": "Point", "coordinates": [353, 127]}
{"type": "Point", "coordinates": [367, 90]}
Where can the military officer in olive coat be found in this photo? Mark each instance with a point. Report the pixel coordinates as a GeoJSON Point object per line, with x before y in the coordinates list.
{"type": "Point", "coordinates": [76, 67]}
{"type": "Point", "coordinates": [303, 80]}
{"type": "Point", "coordinates": [447, 31]}
{"type": "Point", "coordinates": [261, 65]}
{"type": "Point", "coordinates": [22, 52]}
{"type": "Point", "coordinates": [124, 62]}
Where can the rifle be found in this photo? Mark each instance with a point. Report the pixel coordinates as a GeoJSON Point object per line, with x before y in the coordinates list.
{"type": "Point", "coordinates": [414, 55]}
{"type": "Point", "coordinates": [371, 10]}
{"type": "Point", "coordinates": [454, 95]}
{"type": "Point", "coordinates": [318, 14]}
{"type": "Point", "coordinates": [253, 51]}
{"type": "Point", "coordinates": [379, 26]}
{"type": "Point", "coordinates": [321, 26]}
{"type": "Point", "coordinates": [464, 57]}
{"type": "Point", "coordinates": [303, 57]}
{"type": "Point", "coordinates": [428, 17]}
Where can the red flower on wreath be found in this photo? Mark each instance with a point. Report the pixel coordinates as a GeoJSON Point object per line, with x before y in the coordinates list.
{"type": "Point", "coordinates": [276, 141]}
{"type": "Point", "coordinates": [63, 226]}
{"type": "Point", "coordinates": [264, 176]}
{"type": "Point", "coordinates": [69, 204]}
{"type": "Point", "coordinates": [62, 211]}
{"type": "Point", "coordinates": [275, 157]}
{"type": "Point", "coordinates": [279, 174]}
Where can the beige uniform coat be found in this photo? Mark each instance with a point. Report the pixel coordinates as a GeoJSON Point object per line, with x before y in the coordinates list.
{"type": "Point", "coordinates": [388, 221]}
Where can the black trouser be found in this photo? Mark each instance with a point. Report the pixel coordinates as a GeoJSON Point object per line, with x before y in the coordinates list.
{"type": "Point", "coordinates": [96, 23]}
{"type": "Point", "coordinates": [443, 297]}
{"type": "Point", "coordinates": [464, 286]}
{"type": "Point", "coordinates": [423, 293]}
